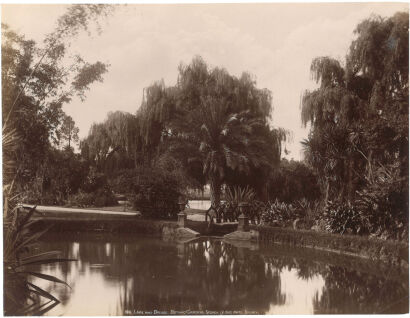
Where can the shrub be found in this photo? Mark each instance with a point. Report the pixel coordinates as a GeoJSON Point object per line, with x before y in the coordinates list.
{"type": "Point", "coordinates": [94, 192]}
{"type": "Point", "coordinates": [122, 181]}
{"type": "Point", "coordinates": [104, 197]}
{"type": "Point", "coordinates": [296, 181]}
{"type": "Point", "coordinates": [284, 214]}
{"type": "Point", "coordinates": [153, 192]}
{"type": "Point", "coordinates": [383, 204]}
{"type": "Point", "coordinates": [343, 218]}
{"type": "Point", "coordinates": [255, 211]}
{"type": "Point", "coordinates": [62, 175]}
{"type": "Point", "coordinates": [33, 195]}
{"type": "Point", "coordinates": [236, 195]}
{"type": "Point", "coordinates": [233, 197]}
{"type": "Point", "coordinates": [302, 208]}
{"type": "Point", "coordinates": [94, 181]}
{"type": "Point", "coordinates": [380, 208]}
{"type": "Point", "coordinates": [81, 199]}
{"type": "Point", "coordinates": [278, 213]}
{"type": "Point", "coordinates": [229, 210]}
{"type": "Point", "coordinates": [99, 198]}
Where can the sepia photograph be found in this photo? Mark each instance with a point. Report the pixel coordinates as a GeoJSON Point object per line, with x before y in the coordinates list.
{"type": "Point", "coordinates": [215, 158]}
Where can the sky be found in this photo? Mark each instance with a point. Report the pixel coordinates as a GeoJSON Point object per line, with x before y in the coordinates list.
{"type": "Point", "coordinates": [275, 42]}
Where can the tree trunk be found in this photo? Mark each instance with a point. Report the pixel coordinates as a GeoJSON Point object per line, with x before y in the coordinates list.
{"type": "Point", "coordinates": [350, 190]}
{"type": "Point", "coordinates": [369, 160]}
{"type": "Point", "coordinates": [265, 195]}
{"type": "Point", "coordinates": [69, 135]}
{"type": "Point", "coordinates": [326, 190]}
{"type": "Point", "coordinates": [215, 185]}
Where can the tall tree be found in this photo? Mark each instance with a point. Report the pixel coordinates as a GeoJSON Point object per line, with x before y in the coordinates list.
{"type": "Point", "coordinates": [68, 131]}
{"type": "Point", "coordinates": [35, 85]}
{"type": "Point", "coordinates": [226, 118]}
{"type": "Point", "coordinates": [217, 121]}
{"type": "Point", "coordinates": [113, 143]}
{"type": "Point", "coordinates": [359, 114]}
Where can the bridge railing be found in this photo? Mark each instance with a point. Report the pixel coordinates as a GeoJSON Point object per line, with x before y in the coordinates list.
{"type": "Point", "coordinates": [229, 212]}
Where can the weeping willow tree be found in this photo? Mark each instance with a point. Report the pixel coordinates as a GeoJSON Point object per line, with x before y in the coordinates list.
{"type": "Point", "coordinates": [226, 120]}
{"type": "Point", "coordinates": [155, 116]}
{"type": "Point", "coordinates": [125, 140]}
{"type": "Point", "coordinates": [359, 113]}
{"type": "Point", "coordinates": [113, 144]}
{"type": "Point", "coordinates": [332, 110]}
{"type": "Point", "coordinates": [211, 123]}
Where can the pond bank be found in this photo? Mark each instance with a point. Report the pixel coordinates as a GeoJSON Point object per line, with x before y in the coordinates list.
{"type": "Point", "coordinates": [392, 252]}
{"type": "Point", "coordinates": [105, 225]}
{"type": "Point", "coordinates": [112, 219]}
{"type": "Point", "coordinates": [123, 224]}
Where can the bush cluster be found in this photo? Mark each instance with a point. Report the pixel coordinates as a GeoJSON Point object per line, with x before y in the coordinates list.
{"type": "Point", "coordinates": [94, 181]}
{"type": "Point", "coordinates": [61, 176]}
{"type": "Point", "coordinates": [383, 204]}
{"type": "Point", "coordinates": [99, 198]}
{"type": "Point", "coordinates": [95, 191]}
{"type": "Point", "coordinates": [342, 218]}
{"type": "Point", "coordinates": [278, 213]}
{"type": "Point", "coordinates": [380, 209]}
{"type": "Point", "coordinates": [283, 214]}
{"type": "Point", "coordinates": [153, 192]}
{"type": "Point", "coordinates": [297, 181]}
{"type": "Point", "coordinates": [34, 195]}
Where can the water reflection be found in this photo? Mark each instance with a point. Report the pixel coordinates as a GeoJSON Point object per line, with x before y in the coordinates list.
{"type": "Point", "coordinates": [132, 275]}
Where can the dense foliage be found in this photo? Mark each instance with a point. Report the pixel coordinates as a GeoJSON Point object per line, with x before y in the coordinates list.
{"type": "Point", "coordinates": [211, 124]}
{"type": "Point", "coordinates": [283, 214]}
{"type": "Point", "coordinates": [214, 128]}
{"type": "Point", "coordinates": [384, 203]}
{"type": "Point", "coordinates": [62, 174]}
{"type": "Point", "coordinates": [93, 191]}
{"type": "Point", "coordinates": [22, 296]}
{"type": "Point", "coordinates": [376, 211]}
{"type": "Point", "coordinates": [37, 80]}
{"type": "Point", "coordinates": [343, 218]}
{"type": "Point", "coordinates": [293, 181]}
{"type": "Point", "coordinates": [35, 84]}
{"type": "Point", "coordinates": [229, 209]}
{"type": "Point", "coordinates": [153, 192]}
{"type": "Point", "coordinates": [359, 120]}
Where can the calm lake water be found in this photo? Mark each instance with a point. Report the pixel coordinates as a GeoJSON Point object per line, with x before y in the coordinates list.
{"type": "Point", "coordinates": [120, 275]}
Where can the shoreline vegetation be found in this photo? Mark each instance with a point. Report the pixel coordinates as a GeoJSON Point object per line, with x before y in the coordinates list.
{"type": "Point", "coordinates": [373, 249]}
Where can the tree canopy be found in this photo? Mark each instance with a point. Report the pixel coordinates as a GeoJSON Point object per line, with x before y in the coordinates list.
{"type": "Point", "coordinates": [358, 142]}
{"type": "Point", "coordinates": [218, 121]}
{"type": "Point", "coordinates": [37, 80]}
{"type": "Point", "coordinates": [359, 114]}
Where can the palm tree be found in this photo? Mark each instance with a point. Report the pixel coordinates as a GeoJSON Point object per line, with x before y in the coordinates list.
{"type": "Point", "coordinates": [230, 141]}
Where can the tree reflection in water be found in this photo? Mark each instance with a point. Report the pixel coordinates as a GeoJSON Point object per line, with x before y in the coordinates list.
{"type": "Point", "coordinates": [125, 274]}
{"type": "Point", "coordinates": [348, 292]}
{"type": "Point", "coordinates": [205, 275]}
